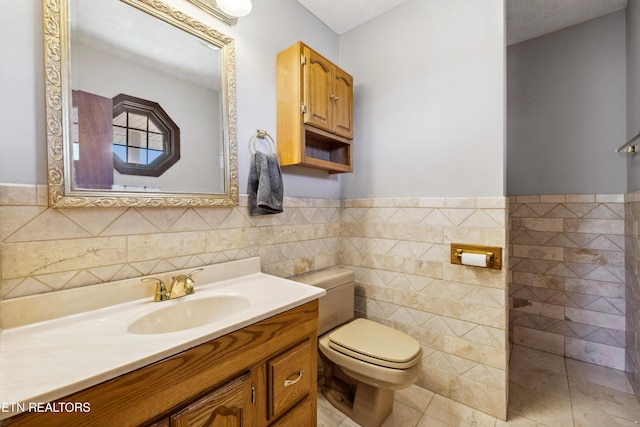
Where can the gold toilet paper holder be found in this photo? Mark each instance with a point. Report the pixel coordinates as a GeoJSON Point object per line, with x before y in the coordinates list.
{"type": "Point", "coordinates": [493, 254]}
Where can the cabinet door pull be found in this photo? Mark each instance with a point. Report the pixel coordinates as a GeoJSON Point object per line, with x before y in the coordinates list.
{"type": "Point", "coordinates": [287, 383]}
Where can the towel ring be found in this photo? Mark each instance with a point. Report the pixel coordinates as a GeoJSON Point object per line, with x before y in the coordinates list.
{"type": "Point", "coordinates": [262, 134]}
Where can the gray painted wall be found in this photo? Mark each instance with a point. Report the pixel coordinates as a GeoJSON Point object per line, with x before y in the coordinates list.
{"type": "Point", "coordinates": [566, 110]}
{"type": "Point", "coordinates": [429, 110]}
{"type": "Point", "coordinates": [23, 159]}
{"type": "Point", "coordinates": [633, 91]}
{"type": "Point", "coordinates": [271, 27]}
{"type": "Point", "coordinates": [429, 100]}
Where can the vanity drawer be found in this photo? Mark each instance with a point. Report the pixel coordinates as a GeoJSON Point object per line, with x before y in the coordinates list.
{"type": "Point", "coordinates": [297, 416]}
{"type": "Point", "coordinates": [289, 378]}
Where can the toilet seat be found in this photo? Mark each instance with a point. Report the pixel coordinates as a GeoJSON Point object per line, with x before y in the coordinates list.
{"type": "Point", "coordinates": [375, 343]}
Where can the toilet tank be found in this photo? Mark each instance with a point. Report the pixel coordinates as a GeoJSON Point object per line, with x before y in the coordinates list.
{"type": "Point", "coordinates": [337, 306]}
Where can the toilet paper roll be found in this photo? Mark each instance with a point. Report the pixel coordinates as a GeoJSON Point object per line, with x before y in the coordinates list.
{"type": "Point", "coordinates": [478, 260]}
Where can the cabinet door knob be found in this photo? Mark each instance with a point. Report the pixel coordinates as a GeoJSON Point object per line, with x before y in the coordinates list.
{"type": "Point", "coordinates": [333, 98]}
{"type": "Point", "coordinates": [287, 383]}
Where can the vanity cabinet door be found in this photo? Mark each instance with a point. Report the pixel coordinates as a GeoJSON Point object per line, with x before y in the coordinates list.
{"type": "Point", "coordinates": [230, 405]}
{"type": "Point", "coordinates": [289, 378]}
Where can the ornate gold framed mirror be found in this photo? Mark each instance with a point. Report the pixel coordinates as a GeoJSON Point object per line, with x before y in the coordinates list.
{"type": "Point", "coordinates": [98, 52]}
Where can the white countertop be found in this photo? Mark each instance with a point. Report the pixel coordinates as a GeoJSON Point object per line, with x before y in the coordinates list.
{"type": "Point", "coordinates": [45, 361]}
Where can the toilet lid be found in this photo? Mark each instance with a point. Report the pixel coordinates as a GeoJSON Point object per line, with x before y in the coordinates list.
{"type": "Point", "coordinates": [375, 343]}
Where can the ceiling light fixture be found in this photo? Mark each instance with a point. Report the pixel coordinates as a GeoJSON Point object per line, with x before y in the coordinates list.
{"type": "Point", "coordinates": [237, 8]}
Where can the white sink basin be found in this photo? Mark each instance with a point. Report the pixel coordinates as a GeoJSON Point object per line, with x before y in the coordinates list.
{"type": "Point", "coordinates": [83, 330]}
{"type": "Point", "coordinates": [187, 313]}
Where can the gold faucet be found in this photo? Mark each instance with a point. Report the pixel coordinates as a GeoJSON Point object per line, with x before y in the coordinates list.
{"type": "Point", "coordinates": [161, 289]}
{"type": "Point", "coordinates": [180, 286]}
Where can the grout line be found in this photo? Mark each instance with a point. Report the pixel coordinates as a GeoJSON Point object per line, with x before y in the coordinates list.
{"type": "Point", "coordinates": [566, 373]}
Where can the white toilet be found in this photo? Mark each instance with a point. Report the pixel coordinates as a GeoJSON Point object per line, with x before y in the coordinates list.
{"type": "Point", "coordinates": [364, 361]}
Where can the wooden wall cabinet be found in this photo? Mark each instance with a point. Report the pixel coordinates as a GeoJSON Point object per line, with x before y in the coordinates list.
{"type": "Point", "coordinates": [314, 111]}
{"type": "Point", "coordinates": [260, 376]}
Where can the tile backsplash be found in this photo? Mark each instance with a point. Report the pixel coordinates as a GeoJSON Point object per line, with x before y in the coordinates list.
{"type": "Point", "coordinates": [564, 266]}
{"type": "Point", "coordinates": [399, 250]}
{"type": "Point", "coordinates": [45, 249]}
{"type": "Point", "coordinates": [567, 287]}
{"type": "Point", "coordinates": [632, 326]}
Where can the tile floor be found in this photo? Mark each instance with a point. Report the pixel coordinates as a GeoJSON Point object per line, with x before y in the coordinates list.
{"type": "Point", "coordinates": [545, 390]}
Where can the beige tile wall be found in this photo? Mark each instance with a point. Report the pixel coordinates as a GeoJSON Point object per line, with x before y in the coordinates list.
{"type": "Point", "coordinates": [566, 265]}
{"type": "Point", "coordinates": [399, 249]}
{"type": "Point", "coordinates": [632, 246]}
{"type": "Point", "coordinates": [46, 249]}
{"type": "Point", "coordinates": [567, 276]}
{"type": "Point", "coordinates": [400, 252]}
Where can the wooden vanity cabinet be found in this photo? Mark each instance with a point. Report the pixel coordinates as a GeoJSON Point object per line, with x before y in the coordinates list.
{"type": "Point", "coordinates": [261, 375]}
{"type": "Point", "coordinates": [314, 111]}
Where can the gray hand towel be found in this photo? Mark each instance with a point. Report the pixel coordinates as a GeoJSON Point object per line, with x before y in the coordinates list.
{"type": "Point", "coordinates": [265, 185]}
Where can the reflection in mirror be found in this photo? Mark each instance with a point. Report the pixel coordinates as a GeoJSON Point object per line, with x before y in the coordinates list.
{"type": "Point", "coordinates": [140, 106]}
{"type": "Point", "coordinates": [146, 141]}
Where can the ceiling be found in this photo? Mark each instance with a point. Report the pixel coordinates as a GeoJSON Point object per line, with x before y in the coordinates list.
{"type": "Point", "coordinates": [342, 16]}
{"type": "Point", "coordinates": [526, 19]}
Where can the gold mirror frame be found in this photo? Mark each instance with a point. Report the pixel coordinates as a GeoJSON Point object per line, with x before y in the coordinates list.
{"type": "Point", "coordinates": [58, 95]}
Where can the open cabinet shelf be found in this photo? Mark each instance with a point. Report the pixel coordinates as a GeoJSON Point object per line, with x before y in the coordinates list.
{"type": "Point", "coordinates": [324, 152]}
